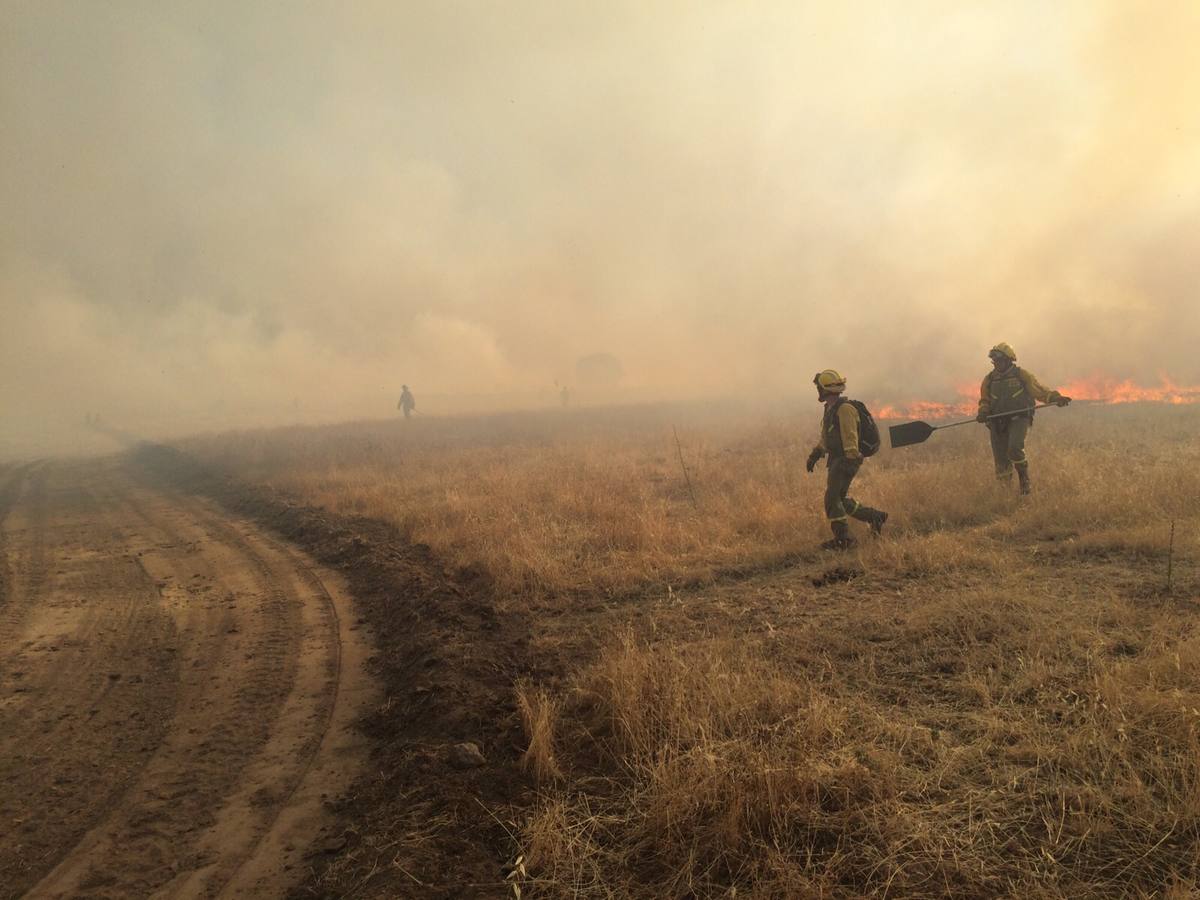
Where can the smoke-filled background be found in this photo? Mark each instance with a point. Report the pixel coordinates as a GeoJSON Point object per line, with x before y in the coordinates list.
{"type": "Point", "coordinates": [226, 213]}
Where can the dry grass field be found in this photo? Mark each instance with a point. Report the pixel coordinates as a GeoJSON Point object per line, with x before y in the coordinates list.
{"type": "Point", "coordinates": [1000, 697]}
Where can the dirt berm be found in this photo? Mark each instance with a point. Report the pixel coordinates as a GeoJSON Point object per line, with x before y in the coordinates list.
{"type": "Point", "coordinates": [416, 824]}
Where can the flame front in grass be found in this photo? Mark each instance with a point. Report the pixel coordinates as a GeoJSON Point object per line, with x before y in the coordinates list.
{"type": "Point", "coordinates": [966, 405]}
{"type": "Point", "coordinates": [926, 409]}
{"type": "Point", "coordinates": [1107, 389]}
{"type": "Point", "coordinates": [1096, 388]}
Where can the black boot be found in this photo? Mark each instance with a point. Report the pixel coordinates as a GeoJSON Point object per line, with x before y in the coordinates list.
{"type": "Point", "coordinates": [841, 537]}
{"type": "Point", "coordinates": [1023, 476]}
{"type": "Point", "coordinates": [873, 517]}
{"type": "Point", "coordinates": [877, 522]}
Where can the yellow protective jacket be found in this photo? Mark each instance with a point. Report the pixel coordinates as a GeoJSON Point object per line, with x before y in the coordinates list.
{"type": "Point", "coordinates": [839, 431]}
{"type": "Point", "coordinates": [1011, 391]}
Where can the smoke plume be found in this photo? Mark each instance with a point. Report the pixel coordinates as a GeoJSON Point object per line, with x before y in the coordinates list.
{"type": "Point", "coordinates": [221, 214]}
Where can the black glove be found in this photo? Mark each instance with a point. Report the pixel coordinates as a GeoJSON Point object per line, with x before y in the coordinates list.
{"type": "Point", "coordinates": [813, 458]}
{"type": "Point", "coordinates": [982, 417]}
{"type": "Point", "coordinates": [1060, 400]}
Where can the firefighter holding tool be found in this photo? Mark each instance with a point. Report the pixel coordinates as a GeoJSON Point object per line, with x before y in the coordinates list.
{"type": "Point", "coordinates": [848, 434]}
{"type": "Point", "coordinates": [1009, 389]}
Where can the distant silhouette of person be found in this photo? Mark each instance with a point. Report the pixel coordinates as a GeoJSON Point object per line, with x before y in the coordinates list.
{"type": "Point", "coordinates": [407, 402]}
{"type": "Point", "coordinates": [565, 396]}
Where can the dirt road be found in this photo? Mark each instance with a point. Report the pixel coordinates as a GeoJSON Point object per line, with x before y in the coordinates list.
{"type": "Point", "coordinates": [176, 691]}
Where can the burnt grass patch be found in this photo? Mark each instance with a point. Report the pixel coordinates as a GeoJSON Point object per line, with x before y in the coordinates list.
{"type": "Point", "coordinates": [836, 575]}
{"type": "Point", "coordinates": [445, 661]}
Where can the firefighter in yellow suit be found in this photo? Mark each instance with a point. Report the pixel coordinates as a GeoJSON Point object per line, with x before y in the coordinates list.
{"type": "Point", "coordinates": [1011, 389]}
{"type": "Point", "coordinates": [839, 442]}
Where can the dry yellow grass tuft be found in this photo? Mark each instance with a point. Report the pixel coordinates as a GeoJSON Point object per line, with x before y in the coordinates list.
{"type": "Point", "coordinates": [539, 718]}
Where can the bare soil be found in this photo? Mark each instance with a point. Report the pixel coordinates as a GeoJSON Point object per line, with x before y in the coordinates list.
{"type": "Point", "coordinates": [178, 690]}
{"type": "Point", "coordinates": [448, 651]}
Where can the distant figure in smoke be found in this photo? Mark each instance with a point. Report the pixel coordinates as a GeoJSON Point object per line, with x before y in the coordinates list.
{"type": "Point", "coordinates": [407, 402]}
{"type": "Point", "coordinates": [1010, 389]}
{"type": "Point", "coordinates": [847, 435]}
{"type": "Point", "coordinates": [565, 396]}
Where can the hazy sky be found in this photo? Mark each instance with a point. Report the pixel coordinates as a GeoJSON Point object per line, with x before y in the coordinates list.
{"type": "Point", "coordinates": [211, 209]}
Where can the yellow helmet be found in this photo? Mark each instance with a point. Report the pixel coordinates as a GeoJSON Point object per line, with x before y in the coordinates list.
{"type": "Point", "coordinates": [829, 381]}
{"type": "Point", "coordinates": [1004, 350]}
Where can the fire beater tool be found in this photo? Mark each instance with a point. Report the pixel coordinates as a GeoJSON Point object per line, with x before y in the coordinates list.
{"type": "Point", "coordinates": [919, 432]}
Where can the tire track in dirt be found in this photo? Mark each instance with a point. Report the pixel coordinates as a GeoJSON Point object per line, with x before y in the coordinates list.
{"type": "Point", "coordinates": [246, 875]}
{"type": "Point", "coordinates": [24, 569]}
{"type": "Point", "coordinates": [420, 825]}
{"type": "Point", "coordinates": [74, 729]}
{"type": "Point", "coordinates": [13, 477]}
{"type": "Point", "coordinates": [280, 565]}
{"type": "Point", "coordinates": [237, 723]}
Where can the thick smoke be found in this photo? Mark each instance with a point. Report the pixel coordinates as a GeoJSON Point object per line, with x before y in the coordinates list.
{"type": "Point", "coordinates": [219, 214]}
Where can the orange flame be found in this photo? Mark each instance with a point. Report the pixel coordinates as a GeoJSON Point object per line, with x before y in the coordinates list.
{"type": "Point", "coordinates": [1109, 390]}
{"type": "Point", "coordinates": [1096, 388]}
{"type": "Point", "coordinates": [966, 405]}
{"type": "Point", "coordinates": [925, 409]}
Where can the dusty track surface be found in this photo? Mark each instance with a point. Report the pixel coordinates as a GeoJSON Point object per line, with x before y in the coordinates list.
{"type": "Point", "coordinates": [176, 691]}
